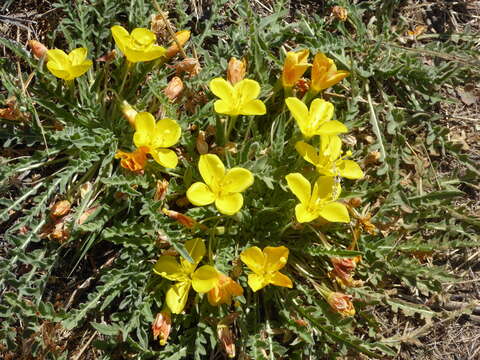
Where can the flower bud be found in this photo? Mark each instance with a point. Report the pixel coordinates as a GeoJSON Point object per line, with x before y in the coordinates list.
{"type": "Point", "coordinates": [340, 13]}
{"type": "Point", "coordinates": [161, 326]}
{"type": "Point", "coordinates": [201, 143]}
{"type": "Point", "coordinates": [38, 49]}
{"type": "Point", "coordinates": [341, 303]}
{"type": "Point", "coordinates": [188, 65]}
{"type": "Point", "coordinates": [225, 336]}
{"type": "Point", "coordinates": [183, 219]}
{"type": "Point", "coordinates": [174, 88]}
{"type": "Point", "coordinates": [182, 37]}
{"type": "Point", "coordinates": [236, 70]}
{"type": "Point", "coordinates": [60, 208]}
{"type": "Point", "coordinates": [161, 190]}
{"type": "Point", "coordinates": [129, 112]}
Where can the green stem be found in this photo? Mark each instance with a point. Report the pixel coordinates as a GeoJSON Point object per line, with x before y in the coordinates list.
{"type": "Point", "coordinates": [126, 70]}
{"type": "Point", "coordinates": [231, 125]}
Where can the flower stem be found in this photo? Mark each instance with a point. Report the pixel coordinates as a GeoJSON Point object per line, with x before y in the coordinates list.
{"type": "Point", "coordinates": [231, 125]}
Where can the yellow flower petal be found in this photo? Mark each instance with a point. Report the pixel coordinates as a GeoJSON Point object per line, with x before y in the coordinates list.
{"type": "Point", "coordinates": [237, 180]}
{"type": "Point", "coordinates": [307, 151]}
{"type": "Point", "coordinates": [247, 90]}
{"type": "Point", "coordinates": [212, 169]}
{"type": "Point", "coordinates": [165, 157]}
{"type": "Point", "coordinates": [223, 89]}
{"type": "Point", "coordinates": [143, 36]}
{"type": "Point", "coordinates": [321, 111]}
{"type": "Point", "coordinates": [204, 279]}
{"type": "Point", "coordinates": [349, 169]}
{"type": "Point", "coordinates": [333, 127]}
{"type": "Point", "coordinates": [169, 268]}
{"type": "Point", "coordinates": [177, 296]}
{"type": "Point", "coordinates": [224, 107]}
{"type": "Point", "coordinates": [256, 282]}
{"type": "Point", "coordinates": [145, 126]}
{"type": "Point", "coordinates": [81, 69]}
{"type": "Point", "coordinates": [121, 37]}
{"type": "Point", "coordinates": [58, 70]}
{"type": "Point", "coordinates": [57, 56]}
{"type": "Point", "coordinates": [331, 146]}
{"type": "Point", "coordinates": [254, 258]}
{"type": "Point", "coordinates": [167, 133]}
{"type": "Point", "coordinates": [253, 107]}
{"type": "Point", "coordinates": [200, 194]}
{"type": "Point", "coordinates": [335, 212]}
{"type": "Point", "coordinates": [280, 279]}
{"type": "Point", "coordinates": [294, 67]}
{"type": "Point", "coordinates": [196, 249]}
{"type": "Point", "coordinates": [303, 214]}
{"type": "Point", "coordinates": [77, 56]}
{"type": "Point", "coordinates": [299, 112]}
{"type": "Point", "coordinates": [326, 188]}
{"type": "Point", "coordinates": [275, 258]}
{"type": "Point", "coordinates": [299, 186]}
{"type": "Point", "coordinates": [229, 204]}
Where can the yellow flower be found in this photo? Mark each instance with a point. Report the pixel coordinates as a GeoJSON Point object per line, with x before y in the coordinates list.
{"type": "Point", "coordinates": [265, 266]}
{"type": "Point", "coordinates": [156, 137]}
{"type": "Point", "coordinates": [68, 67]}
{"type": "Point", "coordinates": [221, 186]}
{"type": "Point", "coordinates": [320, 202]}
{"type": "Point", "coordinates": [294, 67]}
{"type": "Point", "coordinates": [223, 292]}
{"type": "Point", "coordinates": [129, 112]}
{"type": "Point", "coordinates": [325, 73]}
{"type": "Point", "coordinates": [186, 275]}
{"type": "Point", "coordinates": [133, 161]}
{"type": "Point", "coordinates": [317, 120]}
{"type": "Point", "coordinates": [138, 46]}
{"type": "Point", "coordinates": [239, 99]}
{"type": "Point", "coordinates": [328, 161]}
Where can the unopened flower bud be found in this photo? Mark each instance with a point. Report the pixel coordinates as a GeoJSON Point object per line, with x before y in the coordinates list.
{"type": "Point", "coordinates": [183, 219]}
{"type": "Point", "coordinates": [225, 336]}
{"type": "Point", "coordinates": [340, 13]}
{"type": "Point", "coordinates": [174, 88]}
{"type": "Point", "coordinates": [201, 143]}
{"type": "Point", "coordinates": [129, 112]}
{"type": "Point", "coordinates": [355, 202]}
{"type": "Point", "coordinates": [60, 208]}
{"type": "Point", "coordinates": [38, 49]}
{"type": "Point", "coordinates": [188, 65]}
{"type": "Point", "coordinates": [341, 303]}
{"type": "Point", "coordinates": [182, 37]}
{"type": "Point", "coordinates": [161, 190]}
{"type": "Point", "coordinates": [236, 70]}
{"type": "Point", "coordinates": [161, 326]}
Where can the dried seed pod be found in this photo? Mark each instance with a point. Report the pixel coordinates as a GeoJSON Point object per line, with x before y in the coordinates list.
{"type": "Point", "coordinates": [174, 88]}
{"type": "Point", "coordinates": [60, 208]}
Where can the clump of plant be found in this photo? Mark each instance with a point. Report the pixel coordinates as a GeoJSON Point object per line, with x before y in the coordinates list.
{"type": "Point", "coordinates": [218, 214]}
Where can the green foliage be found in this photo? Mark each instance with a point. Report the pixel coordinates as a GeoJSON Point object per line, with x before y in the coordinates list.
{"type": "Point", "coordinates": [101, 279]}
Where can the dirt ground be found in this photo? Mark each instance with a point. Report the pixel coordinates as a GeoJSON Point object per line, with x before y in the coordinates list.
{"type": "Point", "coordinates": [455, 336]}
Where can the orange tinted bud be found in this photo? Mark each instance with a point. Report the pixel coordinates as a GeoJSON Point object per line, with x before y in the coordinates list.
{"type": "Point", "coordinates": [225, 336]}
{"type": "Point", "coordinates": [174, 88]}
{"type": "Point", "coordinates": [38, 49]}
{"type": "Point", "coordinates": [161, 190]}
{"type": "Point", "coordinates": [183, 219]}
{"type": "Point", "coordinates": [355, 202]}
{"type": "Point", "coordinates": [341, 303]}
{"type": "Point", "coordinates": [325, 73]}
{"type": "Point", "coordinates": [201, 143]}
{"type": "Point", "coordinates": [161, 326]}
{"type": "Point", "coordinates": [182, 37]}
{"type": "Point", "coordinates": [340, 13]}
{"type": "Point", "coordinates": [129, 112]}
{"type": "Point", "coordinates": [236, 70]}
{"type": "Point", "coordinates": [133, 161]}
{"type": "Point", "coordinates": [223, 292]}
{"type": "Point", "coordinates": [60, 208]}
{"type": "Point", "coordinates": [294, 67]}
{"type": "Point", "coordinates": [188, 65]}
